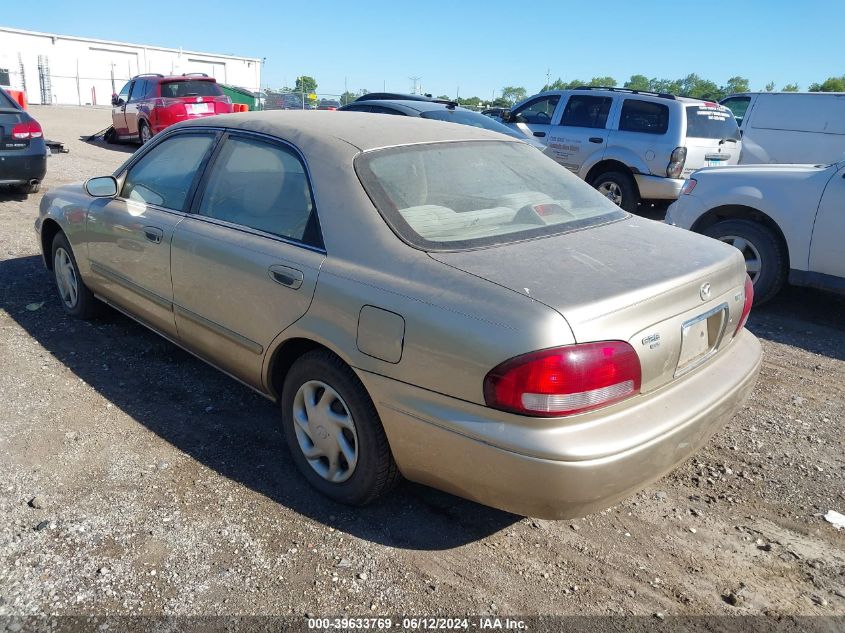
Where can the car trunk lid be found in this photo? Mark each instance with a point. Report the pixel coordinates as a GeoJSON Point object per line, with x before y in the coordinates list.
{"type": "Point", "coordinates": [675, 296]}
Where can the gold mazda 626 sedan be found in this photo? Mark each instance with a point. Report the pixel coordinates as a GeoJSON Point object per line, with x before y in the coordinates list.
{"type": "Point", "coordinates": [421, 298]}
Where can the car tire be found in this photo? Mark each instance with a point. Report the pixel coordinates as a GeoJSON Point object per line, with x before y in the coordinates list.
{"type": "Point", "coordinates": [144, 133]}
{"type": "Point", "coordinates": [619, 188]}
{"type": "Point", "coordinates": [764, 255]}
{"type": "Point", "coordinates": [76, 299]}
{"type": "Point", "coordinates": [325, 407]}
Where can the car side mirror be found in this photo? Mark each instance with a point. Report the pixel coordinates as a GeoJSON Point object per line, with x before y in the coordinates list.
{"type": "Point", "coordinates": [115, 100]}
{"type": "Point", "coordinates": [507, 116]}
{"type": "Point", "coordinates": [101, 187]}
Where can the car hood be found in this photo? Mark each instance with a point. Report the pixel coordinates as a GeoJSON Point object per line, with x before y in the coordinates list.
{"type": "Point", "coordinates": [614, 282]}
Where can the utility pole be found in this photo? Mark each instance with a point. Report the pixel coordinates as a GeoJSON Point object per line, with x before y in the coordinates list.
{"type": "Point", "coordinates": [548, 77]}
{"type": "Point", "coordinates": [415, 80]}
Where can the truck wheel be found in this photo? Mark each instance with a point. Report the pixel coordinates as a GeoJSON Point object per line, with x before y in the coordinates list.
{"type": "Point", "coordinates": [334, 432]}
{"type": "Point", "coordinates": [619, 188]}
{"type": "Point", "coordinates": [765, 259]}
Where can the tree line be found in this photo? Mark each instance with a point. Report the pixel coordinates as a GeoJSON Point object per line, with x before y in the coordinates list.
{"type": "Point", "coordinates": [690, 86]}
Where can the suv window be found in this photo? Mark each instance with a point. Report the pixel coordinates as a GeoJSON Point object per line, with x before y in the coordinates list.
{"type": "Point", "coordinates": [263, 186]}
{"type": "Point", "coordinates": [139, 89]}
{"type": "Point", "coordinates": [5, 79]}
{"type": "Point", "coordinates": [644, 116]}
{"type": "Point", "coordinates": [739, 106]}
{"type": "Point", "coordinates": [711, 121]}
{"type": "Point", "coordinates": [190, 88]}
{"type": "Point", "coordinates": [584, 111]}
{"type": "Point", "coordinates": [538, 111]}
{"type": "Point", "coordinates": [163, 176]}
{"type": "Point", "coordinates": [124, 92]}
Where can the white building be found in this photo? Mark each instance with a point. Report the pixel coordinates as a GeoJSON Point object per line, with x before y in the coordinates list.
{"type": "Point", "coordinates": [63, 69]}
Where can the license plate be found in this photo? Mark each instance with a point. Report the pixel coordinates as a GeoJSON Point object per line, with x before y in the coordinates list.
{"type": "Point", "coordinates": [199, 108]}
{"type": "Point", "coordinates": [700, 337]}
{"type": "Point", "coordinates": [714, 163]}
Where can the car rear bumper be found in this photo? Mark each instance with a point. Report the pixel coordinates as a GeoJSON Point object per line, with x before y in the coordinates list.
{"type": "Point", "coordinates": [21, 167]}
{"type": "Point", "coordinates": [658, 188]}
{"type": "Point", "coordinates": [579, 465]}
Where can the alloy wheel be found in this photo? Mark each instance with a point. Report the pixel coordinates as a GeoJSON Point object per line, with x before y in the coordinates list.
{"type": "Point", "coordinates": [66, 279]}
{"type": "Point", "coordinates": [145, 134]}
{"type": "Point", "coordinates": [611, 191]}
{"type": "Point", "coordinates": [753, 262]}
{"type": "Point", "coordinates": [325, 431]}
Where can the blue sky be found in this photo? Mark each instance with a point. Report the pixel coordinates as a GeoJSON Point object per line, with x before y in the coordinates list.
{"type": "Point", "coordinates": [476, 47]}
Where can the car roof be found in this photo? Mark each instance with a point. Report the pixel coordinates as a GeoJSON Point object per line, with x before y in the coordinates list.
{"type": "Point", "coordinates": [313, 130]}
{"type": "Point", "coordinates": [419, 106]}
{"type": "Point", "coordinates": [168, 78]}
{"type": "Point", "coordinates": [660, 97]}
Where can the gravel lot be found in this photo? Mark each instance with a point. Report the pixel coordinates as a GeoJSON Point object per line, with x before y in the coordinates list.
{"type": "Point", "coordinates": [137, 480]}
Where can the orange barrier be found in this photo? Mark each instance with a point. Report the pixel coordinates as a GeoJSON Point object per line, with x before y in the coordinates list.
{"type": "Point", "coordinates": [19, 96]}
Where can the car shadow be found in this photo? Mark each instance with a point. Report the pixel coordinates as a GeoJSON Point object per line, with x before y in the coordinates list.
{"type": "Point", "coordinates": [7, 194]}
{"type": "Point", "coordinates": [220, 423]}
{"type": "Point", "coordinates": [811, 319]}
{"type": "Point", "coordinates": [97, 141]}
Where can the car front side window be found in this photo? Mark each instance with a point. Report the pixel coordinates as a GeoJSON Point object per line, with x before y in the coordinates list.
{"type": "Point", "coordinates": [538, 111]}
{"type": "Point", "coordinates": [263, 186]}
{"type": "Point", "coordinates": [124, 92]}
{"type": "Point", "coordinates": [164, 175]}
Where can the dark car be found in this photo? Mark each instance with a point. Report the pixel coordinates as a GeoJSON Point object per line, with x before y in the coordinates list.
{"type": "Point", "coordinates": [149, 103]}
{"type": "Point", "coordinates": [23, 153]}
{"type": "Point", "coordinates": [398, 96]}
{"type": "Point", "coordinates": [438, 110]}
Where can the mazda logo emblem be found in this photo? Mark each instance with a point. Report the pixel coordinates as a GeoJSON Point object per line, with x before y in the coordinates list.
{"type": "Point", "coordinates": [705, 291]}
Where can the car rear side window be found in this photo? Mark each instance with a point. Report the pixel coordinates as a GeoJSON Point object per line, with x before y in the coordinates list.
{"type": "Point", "coordinates": [163, 176]}
{"type": "Point", "coordinates": [586, 111]}
{"type": "Point", "coordinates": [190, 88]}
{"type": "Point", "coordinates": [262, 186]}
{"type": "Point", "coordinates": [711, 121]}
{"type": "Point", "coordinates": [644, 116]}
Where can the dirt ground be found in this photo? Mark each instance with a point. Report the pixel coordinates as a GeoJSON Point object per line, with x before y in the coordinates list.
{"type": "Point", "coordinates": [160, 486]}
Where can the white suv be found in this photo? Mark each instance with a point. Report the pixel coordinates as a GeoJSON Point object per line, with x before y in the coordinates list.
{"type": "Point", "coordinates": [630, 145]}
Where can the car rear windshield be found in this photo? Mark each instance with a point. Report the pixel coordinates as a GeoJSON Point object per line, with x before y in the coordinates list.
{"type": "Point", "coordinates": [190, 88]}
{"type": "Point", "coordinates": [711, 121]}
{"type": "Point", "coordinates": [468, 117]}
{"type": "Point", "coordinates": [468, 194]}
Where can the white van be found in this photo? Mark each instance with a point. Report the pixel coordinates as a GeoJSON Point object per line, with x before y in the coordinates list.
{"type": "Point", "coordinates": [790, 127]}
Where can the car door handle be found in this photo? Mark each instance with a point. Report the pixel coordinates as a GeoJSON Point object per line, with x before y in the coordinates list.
{"type": "Point", "coordinates": [540, 134]}
{"type": "Point", "coordinates": [596, 139]}
{"type": "Point", "coordinates": [285, 275]}
{"type": "Point", "coordinates": [153, 234]}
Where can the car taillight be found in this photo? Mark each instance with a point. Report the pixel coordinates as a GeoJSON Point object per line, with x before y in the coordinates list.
{"type": "Point", "coordinates": [27, 130]}
{"type": "Point", "coordinates": [746, 309]}
{"type": "Point", "coordinates": [564, 380]}
{"type": "Point", "coordinates": [689, 185]}
{"type": "Point", "coordinates": [676, 162]}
